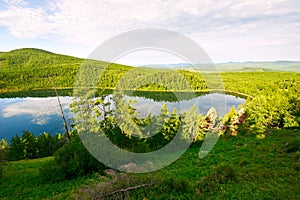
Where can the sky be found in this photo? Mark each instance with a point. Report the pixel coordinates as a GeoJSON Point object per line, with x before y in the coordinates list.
{"type": "Point", "coordinates": [240, 30]}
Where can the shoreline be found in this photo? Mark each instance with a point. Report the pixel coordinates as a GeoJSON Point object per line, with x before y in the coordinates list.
{"type": "Point", "coordinates": [68, 91]}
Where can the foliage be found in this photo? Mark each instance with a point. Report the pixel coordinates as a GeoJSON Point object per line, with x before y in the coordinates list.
{"type": "Point", "coordinates": [28, 69]}
{"type": "Point", "coordinates": [16, 150]}
{"type": "Point", "coordinates": [70, 161]}
{"type": "Point", "coordinates": [29, 147]}
{"type": "Point", "coordinates": [4, 148]}
{"type": "Point", "coordinates": [295, 110]}
{"type": "Point", "coordinates": [267, 111]}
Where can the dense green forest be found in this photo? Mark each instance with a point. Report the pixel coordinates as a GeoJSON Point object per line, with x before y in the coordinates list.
{"type": "Point", "coordinates": [32, 69]}
{"type": "Point", "coordinates": [267, 125]}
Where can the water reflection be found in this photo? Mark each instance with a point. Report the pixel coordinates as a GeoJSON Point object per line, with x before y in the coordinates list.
{"type": "Point", "coordinates": [221, 102]}
{"type": "Point", "coordinates": [33, 114]}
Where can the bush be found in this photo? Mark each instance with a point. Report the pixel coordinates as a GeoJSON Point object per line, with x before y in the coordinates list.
{"type": "Point", "coordinates": [70, 161]}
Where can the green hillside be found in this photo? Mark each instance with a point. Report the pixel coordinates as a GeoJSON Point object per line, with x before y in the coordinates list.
{"type": "Point", "coordinates": [28, 69]}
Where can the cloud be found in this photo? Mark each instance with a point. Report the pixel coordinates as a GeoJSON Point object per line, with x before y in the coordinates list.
{"type": "Point", "coordinates": [25, 22]}
{"type": "Point", "coordinates": [15, 2]}
{"type": "Point", "coordinates": [217, 25]}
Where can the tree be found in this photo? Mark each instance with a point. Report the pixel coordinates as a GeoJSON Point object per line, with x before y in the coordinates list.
{"type": "Point", "coordinates": [45, 145]}
{"type": "Point", "coordinates": [191, 129]}
{"type": "Point", "coordinates": [30, 145]}
{"type": "Point", "coordinates": [265, 112]}
{"type": "Point", "coordinates": [16, 151]}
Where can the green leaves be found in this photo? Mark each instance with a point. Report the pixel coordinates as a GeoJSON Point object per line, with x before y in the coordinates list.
{"type": "Point", "coordinates": [268, 111]}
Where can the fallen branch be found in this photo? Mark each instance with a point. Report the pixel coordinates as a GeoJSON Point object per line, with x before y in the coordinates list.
{"type": "Point", "coordinates": [122, 191]}
{"type": "Point", "coordinates": [269, 132]}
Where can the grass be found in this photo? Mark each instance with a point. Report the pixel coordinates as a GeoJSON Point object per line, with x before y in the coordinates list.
{"type": "Point", "coordinates": [242, 167]}
{"type": "Point", "coordinates": [22, 180]}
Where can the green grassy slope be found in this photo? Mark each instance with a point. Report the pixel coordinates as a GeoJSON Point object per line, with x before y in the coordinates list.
{"type": "Point", "coordinates": [22, 181]}
{"type": "Point", "coordinates": [242, 167]}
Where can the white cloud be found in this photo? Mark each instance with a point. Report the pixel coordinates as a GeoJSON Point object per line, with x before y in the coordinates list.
{"type": "Point", "coordinates": [230, 25]}
{"type": "Point", "coordinates": [24, 22]}
{"type": "Point", "coordinates": [15, 2]}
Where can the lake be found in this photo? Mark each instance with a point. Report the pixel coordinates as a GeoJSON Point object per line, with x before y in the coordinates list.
{"type": "Point", "coordinates": [39, 115]}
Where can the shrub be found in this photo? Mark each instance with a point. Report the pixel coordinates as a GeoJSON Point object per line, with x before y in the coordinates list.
{"type": "Point", "coordinates": [70, 161]}
{"type": "Point", "coordinates": [4, 149]}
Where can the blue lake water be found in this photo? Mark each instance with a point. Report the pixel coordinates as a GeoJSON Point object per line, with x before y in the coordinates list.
{"type": "Point", "coordinates": [39, 115]}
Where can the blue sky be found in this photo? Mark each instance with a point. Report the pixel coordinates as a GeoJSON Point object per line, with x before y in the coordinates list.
{"type": "Point", "coordinates": [239, 30]}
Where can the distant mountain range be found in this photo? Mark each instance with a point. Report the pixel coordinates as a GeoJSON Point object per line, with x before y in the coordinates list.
{"type": "Point", "coordinates": [237, 66]}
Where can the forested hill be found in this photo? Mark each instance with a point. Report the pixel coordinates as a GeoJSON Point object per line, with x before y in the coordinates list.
{"type": "Point", "coordinates": [35, 69]}
{"type": "Point", "coordinates": [30, 57]}
{"type": "Point", "coordinates": [29, 68]}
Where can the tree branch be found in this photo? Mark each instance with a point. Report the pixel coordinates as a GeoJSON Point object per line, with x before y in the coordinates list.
{"type": "Point", "coordinates": [122, 191]}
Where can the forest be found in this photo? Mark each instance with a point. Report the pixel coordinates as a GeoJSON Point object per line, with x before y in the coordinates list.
{"type": "Point", "coordinates": [269, 118]}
